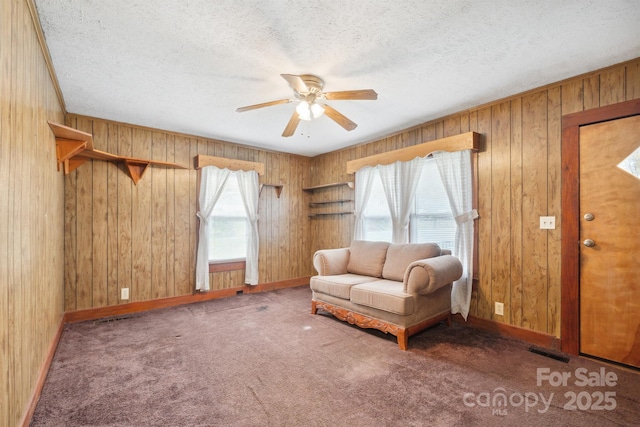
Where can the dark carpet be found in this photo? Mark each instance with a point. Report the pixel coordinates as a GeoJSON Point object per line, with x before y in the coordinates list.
{"type": "Point", "coordinates": [264, 360]}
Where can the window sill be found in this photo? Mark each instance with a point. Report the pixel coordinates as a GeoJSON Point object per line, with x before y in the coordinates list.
{"type": "Point", "coordinates": [227, 266]}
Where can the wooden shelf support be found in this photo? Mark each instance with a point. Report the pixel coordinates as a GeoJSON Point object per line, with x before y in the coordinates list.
{"type": "Point", "coordinates": [278, 188]}
{"type": "Point", "coordinates": [136, 169]}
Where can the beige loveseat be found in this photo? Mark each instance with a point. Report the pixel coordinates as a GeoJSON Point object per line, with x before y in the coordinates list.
{"type": "Point", "coordinates": [398, 289]}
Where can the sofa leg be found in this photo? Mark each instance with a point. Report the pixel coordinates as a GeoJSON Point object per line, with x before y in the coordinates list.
{"type": "Point", "coordinates": [448, 321]}
{"type": "Point", "coordinates": [314, 309]}
{"type": "Point", "coordinates": [403, 339]}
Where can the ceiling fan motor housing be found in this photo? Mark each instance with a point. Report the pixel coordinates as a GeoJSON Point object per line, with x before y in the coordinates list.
{"type": "Point", "coordinates": [314, 83]}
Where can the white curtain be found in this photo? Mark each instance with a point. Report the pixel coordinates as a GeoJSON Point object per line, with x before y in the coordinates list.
{"type": "Point", "coordinates": [455, 171]}
{"type": "Point", "coordinates": [250, 191]}
{"type": "Point", "coordinates": [399, 181]}
{"type": "Point", "coordinates": [364, 181]}
{"type": "Point", "coordinates": [212, 182]}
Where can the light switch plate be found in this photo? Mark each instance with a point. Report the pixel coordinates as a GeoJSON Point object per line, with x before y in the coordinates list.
{"type": "Point", "coordinates": [547, 222]}
{"type": "Point", "coordinates": [124, 293]}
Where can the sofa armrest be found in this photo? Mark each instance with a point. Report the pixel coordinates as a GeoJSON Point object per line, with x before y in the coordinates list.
{"type": "Point", "coordinates": [329, 262]}
{"type": "Point", "coordinates": [427, 275]}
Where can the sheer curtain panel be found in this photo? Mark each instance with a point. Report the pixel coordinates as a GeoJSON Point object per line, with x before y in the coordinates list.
{"type": "Point", "coordinates": [399, 181]}
{"type": "Point", "coordinates": [212, 182]}
{"type": "Point", "coordinates": [364, 180]}
{"type": "Point", "coordinates": [250, 192]}
{"type": "Point", "coordinates": [455, 171]}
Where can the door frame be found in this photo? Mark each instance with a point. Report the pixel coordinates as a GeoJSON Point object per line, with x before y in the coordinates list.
{"type": "Point", "coordinates": [570, 225]}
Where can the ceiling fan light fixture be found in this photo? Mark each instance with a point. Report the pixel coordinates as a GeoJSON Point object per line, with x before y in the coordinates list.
{"type": "Point", "coordinates": [316, 110]}
{"type": "Point", "coordinates": [308, 111]}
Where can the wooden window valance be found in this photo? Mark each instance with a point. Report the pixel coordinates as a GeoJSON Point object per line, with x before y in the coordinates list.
{"type": "Point", "coordinates": [465, 141]}
{"type": "Point", "coordinates": [231, 164]}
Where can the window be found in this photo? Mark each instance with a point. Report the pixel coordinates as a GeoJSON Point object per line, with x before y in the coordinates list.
{"type": "Point", "coordinates": [377, 218]}
{"type": "Point", "coordinates": [431, 219]}
{"type": "Point", "coordinates": [229, 223]}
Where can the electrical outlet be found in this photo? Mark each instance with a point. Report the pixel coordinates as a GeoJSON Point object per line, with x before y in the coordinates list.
{"type": "Point", "coordinates": [547, 222]}
{"type": "Point", "coordinates": [124, 293]}
{"type": "Point", "coordinates": [499, 309]}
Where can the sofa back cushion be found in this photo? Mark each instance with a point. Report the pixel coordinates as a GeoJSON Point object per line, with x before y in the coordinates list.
{"type": "Point", "coordinates": [367, 258]}
{"type": "Point", "coordinates": [400, 256]}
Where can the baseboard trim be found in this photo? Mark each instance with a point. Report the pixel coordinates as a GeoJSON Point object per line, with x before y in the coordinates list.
{"type": "Point", "coordinates": [139, 306]}
{"type": "Point", "coordinates": [534, 337]}
{"type": "Point", "coordinates": [42, 376]}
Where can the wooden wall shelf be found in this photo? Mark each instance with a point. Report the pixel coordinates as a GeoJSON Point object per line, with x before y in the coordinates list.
{"type": "Point", "coordinates": [328, 202]}
{"type": "Point", "coordinates": [278, 188]}
{"type": "Point", "coordinates": [311, 215]}
{"type": "Point", "coordinates": [335, 184]}
{"type": "Point", "coordinates": [74, 148]}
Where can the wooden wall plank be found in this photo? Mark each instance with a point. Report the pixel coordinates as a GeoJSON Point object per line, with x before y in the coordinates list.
{"type": "Point", "coordinates": [159, 227]}
{"type": "Point", "coordinates": [572, 96]}
{"type": "Point", "coordinates": [125, 136]}
{"type": "Point", "coordinates": [591, 92]}
{"type": "Point", "coordinates": [84, 227]}
{"type": "Point", "coordinates": [612, 86]}
{"type": "Point", "coordinates": [99, 216]}
{"type": "Point", "coordinates": [171, 219]}
{"type": "Point", "coordinates": [113, 293]}
{"type": "Point", "coordinates": [554, 208]}
{"type": "Point", "coordinates": [182, 200]}
{"type": "Point", "coordinates": [141, 222]}
{"type": "Point", "coordinates": [485, 222]}
{"type": "Point", "coordinates": [632, 83]}
{"type": "Point", "coordinates": [517, 261]}
{"type": "Point", "coordinates": [501, 208]}
{"type": "Point", "coordinates": [534, 205]}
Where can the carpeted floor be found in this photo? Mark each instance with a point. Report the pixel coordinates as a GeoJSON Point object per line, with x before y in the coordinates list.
{"type": "Point", "coordinates": [264, 360]}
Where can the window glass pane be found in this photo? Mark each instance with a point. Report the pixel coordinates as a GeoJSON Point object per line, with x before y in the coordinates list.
{"type": "Point", "coordinates": [228, 239]}
{"type": "Point", "coordinates": [377, 218]}
{"type": "Point", "coordinates": [432, 221]}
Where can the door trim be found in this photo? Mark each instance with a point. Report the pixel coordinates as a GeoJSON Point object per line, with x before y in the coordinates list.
{"type": "Point", "coordinates": [570, 252]}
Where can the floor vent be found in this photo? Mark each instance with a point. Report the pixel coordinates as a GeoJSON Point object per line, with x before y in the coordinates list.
{"type": "Point", "coordinates": [113, 319]}
{"type": "Point", "coordinates": [547, 353]}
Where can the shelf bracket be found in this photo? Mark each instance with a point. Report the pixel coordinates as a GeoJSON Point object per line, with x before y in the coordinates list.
{"type": "Point", "coordinates": [278, 188]}
{"type": "Point", "coordinates": [136, 169]}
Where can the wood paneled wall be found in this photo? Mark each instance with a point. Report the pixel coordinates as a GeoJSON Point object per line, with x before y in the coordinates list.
{"type": "Point", "coordinates": [143, 237]}
{"type": "Point", "coordinates": [31, 212]}
{"type": "Point", "coordinates": [518, 181]}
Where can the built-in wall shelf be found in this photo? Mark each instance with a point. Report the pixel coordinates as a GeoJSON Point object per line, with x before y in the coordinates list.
{"type": "Point", "coordinates": [335, 184]}
{"type": "Point", "coordinates": [311, 215]}
{"type": "Point", "coordinates": [278, 188]}
{"type": "Point", "coordinates": [74, 148]}
{"type": "Point", "coordinates": [328, 202]}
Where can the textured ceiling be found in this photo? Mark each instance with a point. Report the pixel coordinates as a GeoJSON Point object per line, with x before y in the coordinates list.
{"type": "Point", "coordinates": [186, 66]}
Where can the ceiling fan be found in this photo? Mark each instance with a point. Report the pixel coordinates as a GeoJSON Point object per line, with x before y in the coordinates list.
{"type": "Point", "coordinates": [307, 89]}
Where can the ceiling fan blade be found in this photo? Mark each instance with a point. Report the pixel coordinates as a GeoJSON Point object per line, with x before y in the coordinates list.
{"type": "Point", "coordinates": [296, 83]}
{"type": "Point", "coordinates": [351, 94]}
{"type": "Point", "coordinates": [339, 118]}
{"type": "Point", "coordinates": [264, 104]}
{"type": "Point", "coordinates": [292, 125]}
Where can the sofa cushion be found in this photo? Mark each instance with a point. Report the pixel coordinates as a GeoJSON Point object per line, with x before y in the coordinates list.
{"type": "Point", "coordinates": [384, 295]}
{"type": "Point", "coordinates": [338, 285]}
{"type": "Point", "coordinates": [399, 256]}
{"type": "Point", "coordinates": [367, 258]}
